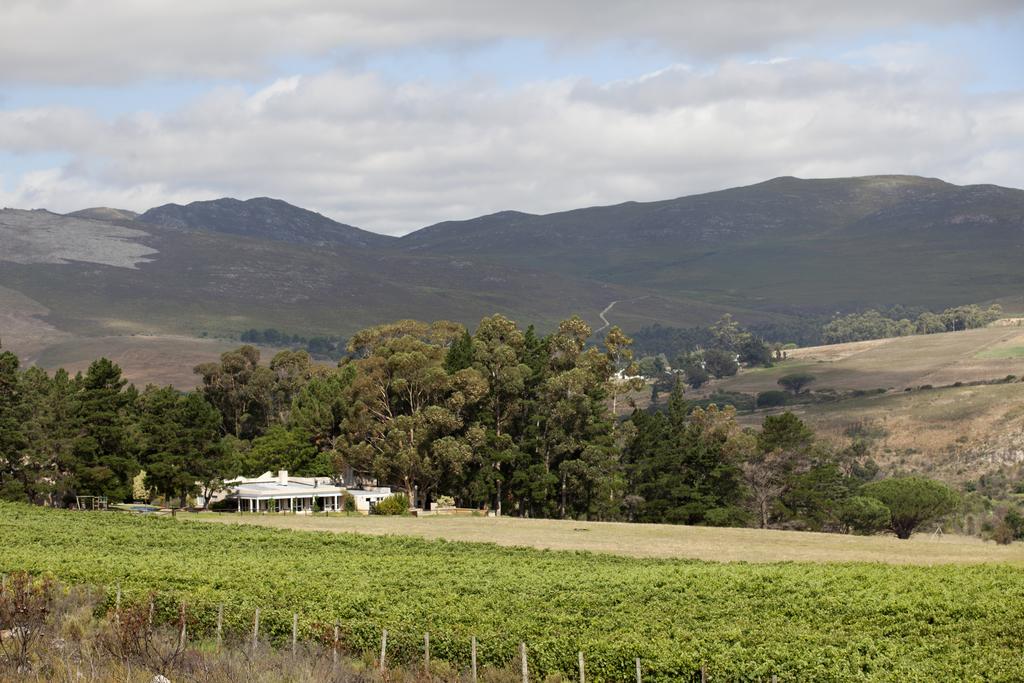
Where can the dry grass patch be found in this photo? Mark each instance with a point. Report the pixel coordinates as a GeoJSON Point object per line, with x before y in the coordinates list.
{"type": "Point", "coordinates": [655, 540]}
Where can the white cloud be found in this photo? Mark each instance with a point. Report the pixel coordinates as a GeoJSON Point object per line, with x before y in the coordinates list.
{"type": "Point", "coordinates": [396, 156]}
{"type": "Point", "coordinates": [117, 41]}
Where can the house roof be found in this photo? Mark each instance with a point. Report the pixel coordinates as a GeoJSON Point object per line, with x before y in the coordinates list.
{"type": "Point", "coordinates": [295, 487]}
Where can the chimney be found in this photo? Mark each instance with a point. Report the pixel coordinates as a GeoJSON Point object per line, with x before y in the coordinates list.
{"type": "Point", "coordinates": [282, 477]}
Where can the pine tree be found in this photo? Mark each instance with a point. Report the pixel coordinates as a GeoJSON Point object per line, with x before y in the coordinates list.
{"type": "Point", "coordinates": [14, 484]}
{"type": "Point", "coordinates": [102, 458]}
{"type": "Point", "coordinates": [460, 354]}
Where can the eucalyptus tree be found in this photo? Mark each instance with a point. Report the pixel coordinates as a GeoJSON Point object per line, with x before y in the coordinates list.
{"type": "Point", "coordinates": [404, 404]}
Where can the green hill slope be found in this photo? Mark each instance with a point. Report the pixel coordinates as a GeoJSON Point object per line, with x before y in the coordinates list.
{"type": "Point", "coordinates": [767, 252]}
{"type": "Point", "coordinates": [785, 244]}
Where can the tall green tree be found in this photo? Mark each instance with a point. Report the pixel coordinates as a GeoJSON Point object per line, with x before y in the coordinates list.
{"type": "Point", "coordinates": [102, 455]}
{"type": "Point", "coordinates": [17, 478]}
{"type": "Point", "coordinates": [182, 449]}
{"type": "Point", "coordinates": [912, 501]}
{"type": "Point", "coordinates": [241, 389]}
{"type": "Point", "coordinates": [404, 404]}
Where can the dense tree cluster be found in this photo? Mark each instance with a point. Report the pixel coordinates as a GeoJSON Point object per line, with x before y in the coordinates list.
{"type": "Point", "coordinates": [328, 347]}
{"type": "Point", "coordinates": [874, 325]}
{"type": "Point", "coordinates": [703, 353]}
{"type": "Point", "coordinates": [499, 418]}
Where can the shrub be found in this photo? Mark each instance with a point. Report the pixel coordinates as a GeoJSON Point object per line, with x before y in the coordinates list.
{"type": "Point", "coordinates": [445, 502]}
{"type": "Point", "coordinates": [224, 505]}
{"type": "Point", "coordinates": [348, 502]}
{"type": "Point", "coordinates": [397, 504]}
{"type": "Point", "coordinates": [771, 398]}
{"type": "Point", "coordinates": [864, 515]}
{"type": "Point", "coordinates": [727, 516]}
{"type": "Point", "coordinates": [1015, 522]}
{"type": "Point", "coordinates": [1001, 534]}
{"type": "Point", "coordinates": [912, 501]}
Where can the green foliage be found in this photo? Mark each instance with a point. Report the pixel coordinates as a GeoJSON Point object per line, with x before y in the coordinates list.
{"type": "Point", "coordinates": [785, 431]}
{"type": "Point", "coordinates": [799, 621]}
{"type": "Point", "coordinates": [684, 467]}
{"type": "Point", "coordinates": [395, 504]}
{"type": "Point", "coordinates": [772, 398]}
{"type": "Point", "coordinates": [874, 325]}
{"type": "Point", "coordinates": [865, 515]}
{"type": "Point", "coordinates": [241, 389]}
{"type": "Point", "coordinates": [324, 347]}
{"type": "Point", "coordinates": [460, 354]}
{"type": "Point", "coordinates": [696, 375]}
{"type": "Point", "coordinates": [102, 450]}
{"type": "Point", "coordinates": [14, 411]}
{"type": "Point", "coordinates": [912, 501]}
{"type": "Point", "coordinates": [795, 382]}
{"type": "Point", "coordinates": [348, 502]}
{"type": "Point", "coordinates": [284, 449]}
{"type": "Point", "coordinates": [181, 446]}
{"type": "Point", "coordinates": [720, 363]}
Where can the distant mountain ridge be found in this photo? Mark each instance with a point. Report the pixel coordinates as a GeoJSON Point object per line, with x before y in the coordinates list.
{"type": "Point", "coordinates": [775, 252]}
{"type": "Point", "coordinates": [263, 218]}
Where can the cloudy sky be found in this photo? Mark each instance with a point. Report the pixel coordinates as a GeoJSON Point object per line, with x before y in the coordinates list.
{"type": "Point", "coordinates": [394, 114]}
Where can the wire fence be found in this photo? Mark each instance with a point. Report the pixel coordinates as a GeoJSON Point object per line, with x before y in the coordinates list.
{"type": "Point", "coordinates": [253, 628]}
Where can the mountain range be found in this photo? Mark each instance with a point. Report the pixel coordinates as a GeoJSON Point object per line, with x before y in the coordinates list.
{"type": "Point", "coordinates": [772, 251]}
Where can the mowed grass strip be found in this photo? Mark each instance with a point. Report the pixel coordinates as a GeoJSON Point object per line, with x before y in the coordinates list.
{"type": "Point", "coordinates": [800, 621]}
{"type": "Point", "coordinates": [655, 540]}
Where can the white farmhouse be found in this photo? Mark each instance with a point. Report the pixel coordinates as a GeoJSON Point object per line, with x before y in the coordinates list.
{"type": "Point", "coordinates": [299, 495]}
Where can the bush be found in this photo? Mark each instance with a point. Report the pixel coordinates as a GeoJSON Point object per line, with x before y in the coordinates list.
{"type": "Point", "coordinates": [397, 504]}
{"type": "Point", "coordinates": [727, 516]}
{"type": "Point", "coordinates": [445, 502]}
{"type": "Point", "coordinates": [1001, 534]}
{"type": "Point", "coordinates": [912, 501]}
{"type": "Point", "coordinates": [771, 398]}
{"type": "Point", "coordinates": [224, 505]}
{"type": "Point", "coordinates": [720, 363]}
{"type": "Point", "coordinates": [348, 502]}
{"type": "Point", "coordinates": [864, 515]}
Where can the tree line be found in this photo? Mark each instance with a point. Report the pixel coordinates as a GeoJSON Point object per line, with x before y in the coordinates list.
{"type": "Point", "coordinates": [501, 418]}
{"type": "Point", "coordinates": [874, 325]}
{"type": "Point", "coordinates": [674, 344]}
{"type": "Point", "coordinates": [322, 346]}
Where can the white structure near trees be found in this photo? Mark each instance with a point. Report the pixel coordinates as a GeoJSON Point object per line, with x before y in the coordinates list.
{"type": "Point", "coordinates": [299, 495]}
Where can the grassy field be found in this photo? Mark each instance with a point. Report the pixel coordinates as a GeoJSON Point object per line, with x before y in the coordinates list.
{"type": "Point", "coordinates": [897, 363]}
{"type": "Point", "coordinates": [956, 433]}
{"type": "Point", "coordinates": [654, 540]}
{"type": "Point", "coordinates": [145, 359]}
{"type": "Point", "coordinates": [739, 621]}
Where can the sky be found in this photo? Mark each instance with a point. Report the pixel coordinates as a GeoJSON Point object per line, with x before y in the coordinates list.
{"type": "Point", "coordinates": [394, 114]}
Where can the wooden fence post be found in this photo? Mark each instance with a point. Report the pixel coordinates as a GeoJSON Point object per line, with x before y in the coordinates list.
{"type": "Point", "coordinates": [473, 659]}
{"type": "Point", "coordinates": [775, 679]}
{"type": "Point", "coordinates": [117, 605]}
{"type": "Point", "coordinates": [152, 613]}
{"type": "Point", "coordinates": [639, 676]}
{"type": "Point", "coordinates": [383, 648]}
{"type": "Point", "coordinates": [522, 660]}
{"type": "Point", "coordinates": [583, 675]}
{"type": "Point", "coordinates": [334, 652]}
{"type": "Point", "coordinates": [220, 626]}
{"type": "Point", "coordinates": [295, 633]}
{"type": "Point", "coordinates": [703, 674]}
{"type": "Point", "coordinates": [256, 630]}
{"type": "Point", "coordinates": [426, 652]}
{"type": "Point", "coordinates": [182, 636]}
